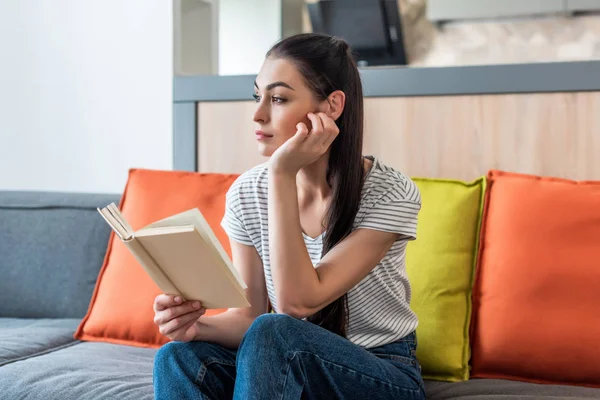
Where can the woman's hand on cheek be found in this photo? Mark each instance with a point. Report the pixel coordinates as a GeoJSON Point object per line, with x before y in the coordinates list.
{"type": "Point", "coordinates": [305, 147]}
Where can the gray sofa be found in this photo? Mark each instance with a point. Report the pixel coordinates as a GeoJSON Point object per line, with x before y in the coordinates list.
{"type": "Point", "coordinates": [52, 246]}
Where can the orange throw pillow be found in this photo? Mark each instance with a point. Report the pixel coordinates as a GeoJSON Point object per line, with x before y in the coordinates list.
{"type": "Point", "coordinates": [536, 298]}
{"type": "Point", "coordinates": [120, 310]}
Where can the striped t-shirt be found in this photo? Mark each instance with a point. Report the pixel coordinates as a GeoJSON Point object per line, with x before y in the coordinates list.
{"type": "Point", "coordinates": [378, 306]}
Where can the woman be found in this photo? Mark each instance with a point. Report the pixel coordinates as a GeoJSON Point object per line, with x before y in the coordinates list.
{"type": "Point", "coordinates": [328, 256]}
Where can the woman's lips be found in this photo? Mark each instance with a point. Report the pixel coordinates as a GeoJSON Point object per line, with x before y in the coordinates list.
{"type": "Point", "coordinates": [260, 135]}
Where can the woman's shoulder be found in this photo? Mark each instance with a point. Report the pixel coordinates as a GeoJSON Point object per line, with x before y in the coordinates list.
{"type": "Point", "coordinates": [252, 180]}
{"type": "Point", "coordinates": [388, 182]}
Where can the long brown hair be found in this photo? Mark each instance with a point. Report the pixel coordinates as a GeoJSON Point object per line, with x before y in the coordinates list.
{"type": "Point", "coordinates": [327, 64]}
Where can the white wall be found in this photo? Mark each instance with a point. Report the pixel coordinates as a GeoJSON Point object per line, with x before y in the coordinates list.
{"type": "Point", "coordinates": [85, 92]}
{"type": "Point", "coordinates": [247, 30]}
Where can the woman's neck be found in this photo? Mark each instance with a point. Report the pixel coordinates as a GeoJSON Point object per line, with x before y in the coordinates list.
{"type": "Point", "coordinates": [312, 181]}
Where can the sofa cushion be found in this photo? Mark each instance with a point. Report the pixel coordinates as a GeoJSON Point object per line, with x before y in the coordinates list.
{"type": "Point", "coordinates": [21, 338]}
{"type": "Point", "coordinates": [497, 389]}
{"type": "Point", "coordinates": [440, 267]}
{"type": "Point", "coordinates": [91, 371]}
{"type": "Point", "coordinates": [123, 285]}
{"type": "Point", "coordinates": [536, 294]}
{"type": "Point", "coordinates": [52, 246]}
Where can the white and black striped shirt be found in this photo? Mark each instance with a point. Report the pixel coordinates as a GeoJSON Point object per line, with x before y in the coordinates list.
{"type": "Point", "coordinates": [378, 306]}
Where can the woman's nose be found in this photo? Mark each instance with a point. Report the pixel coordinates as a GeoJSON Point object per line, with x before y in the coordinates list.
{"type": "Point", "coordinates": [260, 114]}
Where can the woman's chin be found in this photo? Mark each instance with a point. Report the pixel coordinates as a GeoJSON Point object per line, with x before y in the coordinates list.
{"type": "Point", "coordinates": [265, 150]}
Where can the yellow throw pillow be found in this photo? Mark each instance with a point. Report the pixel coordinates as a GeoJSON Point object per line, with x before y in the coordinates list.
{"type": "Point", "coordinates": [440, 266]}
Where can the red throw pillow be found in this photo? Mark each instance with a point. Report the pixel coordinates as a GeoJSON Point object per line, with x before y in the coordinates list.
{"type": "Point", "coordinates": [120, 310]}
{"type": "Point", "coordinates": [536, 300]}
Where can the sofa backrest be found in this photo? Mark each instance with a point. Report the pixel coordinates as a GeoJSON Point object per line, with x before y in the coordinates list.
{"type": "Point", "coordinates": [52, 246]}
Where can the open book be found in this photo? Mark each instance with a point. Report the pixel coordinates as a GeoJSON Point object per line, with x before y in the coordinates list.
{"type": "Point", "coordinates": [183, 256]}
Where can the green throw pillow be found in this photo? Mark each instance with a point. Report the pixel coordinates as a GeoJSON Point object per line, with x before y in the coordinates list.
{"type": "Point", "coordinates": [440, 265]}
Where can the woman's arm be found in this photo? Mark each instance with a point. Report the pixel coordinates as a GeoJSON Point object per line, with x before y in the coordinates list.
{"type": "Point", "coordinates": [300, 289]}
{"type": "Point", "coordinates": [228, 328]}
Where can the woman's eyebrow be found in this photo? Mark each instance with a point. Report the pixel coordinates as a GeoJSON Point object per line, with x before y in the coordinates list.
{"type": "Point", "coordinates": [275, 84]}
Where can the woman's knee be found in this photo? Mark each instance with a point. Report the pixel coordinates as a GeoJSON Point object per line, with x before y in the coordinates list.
{"type": "Point", "coordinates": [269, 331]}
{"type": "Point", "coordinates": [269, 323]}
{"type": "Point", "coordinates": [178, 355]}
{"type": "Point", "coordinates": [171, 354]}
{"type": "Point", "coordinates": [190, 369]}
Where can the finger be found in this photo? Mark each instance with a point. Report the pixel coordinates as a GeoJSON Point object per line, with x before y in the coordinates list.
{"type": "Point", "coordinates": [328, 123]}
{"type": "Point", "coordinates": [330, 128]}
{"type": "Point", "coordinates": [182, 332]}
{"type": "Point", "coordinates": [330, 139]}
{"type": "Point", "coordinates": [180, 321]}
{"type": "Point", "coordinates": [174, 324]}
{"type": "Point", "coordinates": [169, 313]}
{"type": "Point", "coordinates": [301, 130]}
{"type": "Point", "coordinates": [317, 125]}
{"type": "Point", "coordinates": [164, 316]}
{"type": "Point", "coordinates": [164, 301]}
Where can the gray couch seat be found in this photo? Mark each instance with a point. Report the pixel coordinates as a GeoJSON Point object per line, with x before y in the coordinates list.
{"type": "Point", "coordinates": [84, 370]}
{"type": "Point", "coordinates": [498, 389]}
{"type": "Point", "coordinates": [21, 338]}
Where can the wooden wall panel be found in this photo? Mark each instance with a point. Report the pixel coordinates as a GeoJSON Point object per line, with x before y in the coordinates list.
{"type": "Point", "coordinates": [226, 141]}
{"type": "Point", "coordinates": [587, 146]}
{"type": "Point", "coordinates": [460, 137]}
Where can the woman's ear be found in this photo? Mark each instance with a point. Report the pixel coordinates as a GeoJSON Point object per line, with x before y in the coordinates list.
{"type": "Point", "coordinates": [336, 102]}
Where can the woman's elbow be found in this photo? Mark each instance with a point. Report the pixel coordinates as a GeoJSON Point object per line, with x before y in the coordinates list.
{"type": "Point", "coordinates": [296, 306]}
{"type": "Point", "coordinates": [294, 310]}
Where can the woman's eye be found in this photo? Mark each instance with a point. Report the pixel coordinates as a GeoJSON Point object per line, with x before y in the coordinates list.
{"type": "Point", "coordinates": [274, 99]}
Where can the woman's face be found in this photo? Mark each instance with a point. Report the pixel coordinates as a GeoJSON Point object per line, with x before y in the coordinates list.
{"type": "Point", "coordinates": [282, 101]}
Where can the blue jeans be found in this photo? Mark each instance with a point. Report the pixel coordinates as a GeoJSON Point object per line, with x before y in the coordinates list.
{"type": "Point", "coordinates": [281, 357]}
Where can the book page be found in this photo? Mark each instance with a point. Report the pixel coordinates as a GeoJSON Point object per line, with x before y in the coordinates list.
{"type": "Point", "coordinates": [192, 266]}
{"type": "Point", "coordinates": [112, 207]}
{"type": "Point", "coordinates": [115, 219]}
{"type": "Point", "coordinates": [151, 267]}
{"type": "Point", "coordinates": [194, 217]}
{"type": "Point", "coordinates": [113, 223]}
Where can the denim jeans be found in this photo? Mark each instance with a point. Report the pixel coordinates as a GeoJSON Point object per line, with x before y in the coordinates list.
{"type": "Point", "coordinates": [281, 357]}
